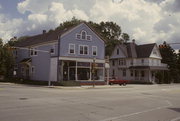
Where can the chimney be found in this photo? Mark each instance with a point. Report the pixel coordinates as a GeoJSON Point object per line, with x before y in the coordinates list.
{"type": "Point", "coordinates": [44, 31]}
{"type": "Point", "coordinates": [133, 41]}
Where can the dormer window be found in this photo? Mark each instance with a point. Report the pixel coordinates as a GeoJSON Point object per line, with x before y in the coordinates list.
{"type": "Point", "coordinates": [117, 51]}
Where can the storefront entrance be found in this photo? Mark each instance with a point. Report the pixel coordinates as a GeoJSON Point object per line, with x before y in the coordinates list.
{"type": "Point", "coordinates": [81, 71]}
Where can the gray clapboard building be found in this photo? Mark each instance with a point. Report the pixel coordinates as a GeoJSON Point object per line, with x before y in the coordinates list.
{"type": "Point", "coordinates": [136, 62]}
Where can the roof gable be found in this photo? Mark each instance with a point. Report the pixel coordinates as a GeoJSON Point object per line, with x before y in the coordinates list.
{"type": "Point", "coordinates": [156, 53]}
{"type": "Point", "coordinates": [50, 36]}
{"type": "Point", "coordinates": [122, 52]}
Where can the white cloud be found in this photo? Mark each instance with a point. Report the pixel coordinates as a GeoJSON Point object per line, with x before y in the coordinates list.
{"type": "Point", "coordinates": [9, 28]}
{"type": "Point", "coordinates": [145, 20]}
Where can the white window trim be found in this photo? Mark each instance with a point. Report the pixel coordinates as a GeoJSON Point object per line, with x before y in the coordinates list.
{"type": "Point", "coordinates": [53, 47]}
{"type": "Point", "coordinates": [83, 49]}
{"type": "Point", "coordinates": [78, 38]}
{"type": "Point", "coordinates": [85, 35]}
{"type": "Point", "coordinates": [35, 49]}
{"type": "Point", "coordinates": [95, 49]}
{"type": "Point", "coordinates": [73, 47]}
{"type": "Point", "coordinates": [33, 53]}
{"type": "Point", "coordinates": [90, 37]}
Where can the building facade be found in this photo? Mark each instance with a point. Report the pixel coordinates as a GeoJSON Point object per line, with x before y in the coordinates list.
{"type": "Point", "coordinates": [138, 63]}
{"type": "Point", "coordinates": [61, 55]}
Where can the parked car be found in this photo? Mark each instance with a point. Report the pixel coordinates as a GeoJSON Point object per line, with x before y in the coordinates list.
{"type": "Point", "coordinates": [116, 81]}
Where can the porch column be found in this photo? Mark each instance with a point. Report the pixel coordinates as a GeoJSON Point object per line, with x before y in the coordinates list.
{"type": "Point", "coordinates": [76, 77]}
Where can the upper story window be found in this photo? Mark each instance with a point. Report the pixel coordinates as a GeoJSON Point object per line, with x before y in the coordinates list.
{"type": "Point", "coordinates": [83, 35]}
{"type": "Point", "coordinates": [32, 69]}
{"type": "Point", "coordinates": [71, 48]}
{"type": "Point", "coordinates": [52, 50]}
{"type": "Point", "coordinates": [83, 49]}
{"type": "Point", "coordinates": [122, 62]}
{"type": "Point", "coordinates": [33, 52]}
{"type": "Point", "coordinates": [94, 50]}
{"type": "Point", "coordinates": [117, 51]}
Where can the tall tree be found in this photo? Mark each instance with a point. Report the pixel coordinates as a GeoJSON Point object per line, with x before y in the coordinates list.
{"type": "Point", "coordinates": [169, 57]}
{"type": "Point", "coordinates": [125, 37]}
{"type": "Point", "coordinates": [6, 59]}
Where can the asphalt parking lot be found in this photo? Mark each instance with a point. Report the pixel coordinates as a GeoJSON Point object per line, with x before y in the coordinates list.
{"type": "Point", "coordinates": [102, 103]}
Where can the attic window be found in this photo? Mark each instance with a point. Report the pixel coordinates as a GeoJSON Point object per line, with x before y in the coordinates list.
{"type": "Point", "coordinates": [154, 52]}
{"type": "Point", "coordinates": [117, 51]}
{"type": "Point", "coordinates": [83, 36]}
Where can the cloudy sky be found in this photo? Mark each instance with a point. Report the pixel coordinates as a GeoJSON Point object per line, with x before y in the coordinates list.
{"type": "Point", "coordinates": [146, 21]}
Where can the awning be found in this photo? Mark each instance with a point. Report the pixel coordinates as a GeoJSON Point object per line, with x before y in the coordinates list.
{"type": "Point", "coordinates": [26, 60]}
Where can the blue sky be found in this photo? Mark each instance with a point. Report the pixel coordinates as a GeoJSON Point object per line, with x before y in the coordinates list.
{"type": "Point", "coordinates": [147, 21]}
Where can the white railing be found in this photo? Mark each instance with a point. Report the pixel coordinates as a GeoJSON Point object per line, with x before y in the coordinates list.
{"type": "Point", "coordinates": [147, 64]}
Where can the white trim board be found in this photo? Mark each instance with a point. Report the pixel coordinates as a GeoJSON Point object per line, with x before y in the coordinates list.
{"type": "Point", "coordinates": [82, 59]}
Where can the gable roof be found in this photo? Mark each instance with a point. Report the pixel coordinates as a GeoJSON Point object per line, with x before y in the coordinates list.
{"type": "Point", "coordinates": [50, 36]}
{"type": "Point", "coordinates": [131, 50]}
{"type": "Point", "coordinates": [144, 51]}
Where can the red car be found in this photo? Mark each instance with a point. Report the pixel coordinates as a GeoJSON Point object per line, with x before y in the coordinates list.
{"type": "Point", "coordinates": [120, 82]}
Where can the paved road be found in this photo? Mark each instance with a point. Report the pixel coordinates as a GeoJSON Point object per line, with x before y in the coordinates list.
{"type": "Point", "coordinates": [114, 103]}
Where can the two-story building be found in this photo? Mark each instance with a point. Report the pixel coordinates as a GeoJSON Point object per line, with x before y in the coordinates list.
{"type": "Point", "coordinates": [61, 55]}
{"type": "Point", "coordinates": [136, 62]}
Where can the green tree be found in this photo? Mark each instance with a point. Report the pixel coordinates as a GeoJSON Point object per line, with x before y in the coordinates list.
{"type": "Point", "coordinates": [169, 57]}
{"type": "Point", "coordinates": [6, 59]}
{"type": "Point", "coordinates": [125, 37]}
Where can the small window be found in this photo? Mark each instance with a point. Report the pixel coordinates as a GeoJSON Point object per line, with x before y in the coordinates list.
{"type": "Point", "coordinates": [71, 48]}
{"type": "Point", "coordinates": [52, 50]}
{"type": "Point", "coordinates": [132, 73]}
{"type": "Point", "coordinates": [83, 35]}
{"type": "Point", "coordinates": [31, 52]}
{"type": "Point", "coordinates": [32, 69]}
{"type": "Point", "coordinates": [78, 36]}
{"type": "Point", "coordinates": [113, 62]}
{"type": "Point", "coordinates": [117, 51]}
{"type": "Point", "coordinates": [142, 73]}
{"type": "Point", "coordinates": [124, 72]}
{"type": "Point", "coordinates": [35, 51]}
{"type": "Point", "coordinates": [154, 52]}
{"type": "Point", "coordinates": [94, 51]}
{"type": "Point", "coordinates": [88, 37]}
